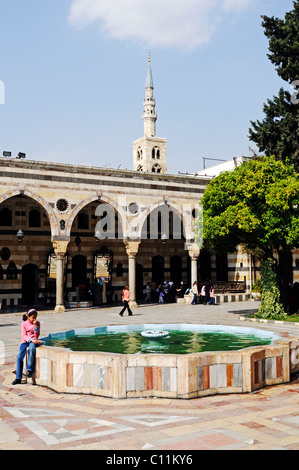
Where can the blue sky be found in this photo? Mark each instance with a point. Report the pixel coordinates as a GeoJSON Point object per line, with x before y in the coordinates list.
{"type": "Point", "coordinates": [74, 74]}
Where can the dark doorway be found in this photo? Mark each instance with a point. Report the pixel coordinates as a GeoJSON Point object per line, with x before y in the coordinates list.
{"type": "Point", "coordinates": [221, 267]}
{"type": "Point", "coordinates": [205, 265]}
{"type": "Point", "coordinates": [176, 269]}
{"type": "Point", "coordinates": [79, 273]}
{"type": "Point", "coordinates": [158, 269]}
{"type": "Point", "coordinates": [30, 284]}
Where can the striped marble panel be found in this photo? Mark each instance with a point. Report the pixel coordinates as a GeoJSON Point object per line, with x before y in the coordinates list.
{"type": "Point", "coordinates": [271, 369]}
{"type": "Point", "coordinates": [169, 379]}
{"type": "Point", "coordinates": [219, 376]}
{"type": "Point", "coordinates": [78, 375]}
{"type": "Point", "coordinates": [238, 375]}
{"type": "Point", "coordinates": [151, 378]}
{"type": "Point", "coordinates": [101, 377]}
{"type": "Point", "coordinates": [44, 368]}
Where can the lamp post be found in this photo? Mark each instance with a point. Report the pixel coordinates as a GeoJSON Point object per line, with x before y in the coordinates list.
{"type": "Point", "coordinates": [20, 234]}
{"type": "Point", "coordinates": [164, 238]}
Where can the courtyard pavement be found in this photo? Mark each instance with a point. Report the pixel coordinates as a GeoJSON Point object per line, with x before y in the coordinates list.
{"type": "Point", "coordinates": [37, 418]}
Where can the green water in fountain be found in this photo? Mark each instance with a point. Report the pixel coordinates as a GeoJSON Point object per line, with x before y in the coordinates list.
{"type": "Point", "coordinates": [176, 342]}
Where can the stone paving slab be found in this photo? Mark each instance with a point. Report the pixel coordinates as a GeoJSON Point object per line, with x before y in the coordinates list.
{"type": "Point", "coordinates": [36, 418]}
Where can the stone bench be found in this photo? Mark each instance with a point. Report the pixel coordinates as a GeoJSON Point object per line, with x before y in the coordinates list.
{"type": "Point", "coordinates": [221, 298]}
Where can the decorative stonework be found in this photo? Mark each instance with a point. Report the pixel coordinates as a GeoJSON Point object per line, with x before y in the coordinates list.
{"type": "Point", "coordinates": [168, 376]}
{"type": "Point", "coordinates": [62, 205]}
{"type": "Point", "coordinates": [132, 248]}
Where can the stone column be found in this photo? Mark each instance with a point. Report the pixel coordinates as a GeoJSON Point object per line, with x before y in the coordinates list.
{"type": "Point", "coordinates": [132, 250]}
{"type": "Point", "coordinates": [60, 248]}
{"type": "Point", "coordinates": [193, 251]}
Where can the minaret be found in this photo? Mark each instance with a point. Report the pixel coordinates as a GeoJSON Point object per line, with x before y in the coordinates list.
{"type": "Point", "coordinates": [149, 105]}
{"type": "Point", "coordinates": [150, 152]}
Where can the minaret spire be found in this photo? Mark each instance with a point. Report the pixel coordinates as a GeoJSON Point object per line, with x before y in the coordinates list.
{"type": "Point", "coordinates": [149, 114]}
{"type": "Point", "coordinates": [150, 152]}
{"type": "Point", "coordinates": [149, 79]}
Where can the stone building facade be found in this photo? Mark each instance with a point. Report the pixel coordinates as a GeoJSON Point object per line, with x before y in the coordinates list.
{"type": "Point", "coordinates": [60, 208]}
{"type": "Point", "coordinates": [61, 225]}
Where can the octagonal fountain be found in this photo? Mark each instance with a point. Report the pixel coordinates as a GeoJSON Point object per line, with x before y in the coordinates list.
{"type": "Point", "coordinates": [167, 360]}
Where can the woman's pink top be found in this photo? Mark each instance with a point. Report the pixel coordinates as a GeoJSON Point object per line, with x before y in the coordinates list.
{"type": "Point", "coordinates": [126, 295]}
{"type": "Point", "coordinates": [28, 331]}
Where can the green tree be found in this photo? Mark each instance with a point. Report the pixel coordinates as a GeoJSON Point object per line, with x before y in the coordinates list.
{"type": "Point", "coordinates": [257, 206]}
{"type": "Point", "coordinates": [278, 133]}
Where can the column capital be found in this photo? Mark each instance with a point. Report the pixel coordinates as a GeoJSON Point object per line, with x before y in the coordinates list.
{"type": "Point", "coordinates": [193, 250]}
{"type": "Point", "coordinates": [60, 247]}
{"type": "Point", "coordinates": [132, 247]}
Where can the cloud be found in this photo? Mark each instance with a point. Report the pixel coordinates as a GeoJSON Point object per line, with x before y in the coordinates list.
{"type": "Point", "coordinates": [185, 24]}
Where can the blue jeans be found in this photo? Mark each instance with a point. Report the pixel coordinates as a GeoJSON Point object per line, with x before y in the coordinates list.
{"type": "Point", "coordinates": [194, 300]}
{"type": "Point", "coordinates": [212, 301]}
{"type": "Point", "coordinates": [31, 358]}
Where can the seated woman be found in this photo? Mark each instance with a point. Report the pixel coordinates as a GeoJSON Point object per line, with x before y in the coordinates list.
{"type": "Point", "coordinates": [30, 331]}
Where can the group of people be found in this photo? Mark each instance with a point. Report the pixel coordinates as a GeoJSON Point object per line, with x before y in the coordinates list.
{"type": "Point", "coordinates": [206, 294]}
{"type": "Point", "coordinates": [164, 292]}
{"type": "Point", "coordinates": [167, 292]}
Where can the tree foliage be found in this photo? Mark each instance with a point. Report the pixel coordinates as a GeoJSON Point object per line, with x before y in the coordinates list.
{"type": "Point", "coordinates": [277, 134]}
{"type": "Point", "coordinates": [271, 305]}
{"type": "Point", "coordinates": [283, 36]}
{"type": "Point", "coordinates": [257, 206]}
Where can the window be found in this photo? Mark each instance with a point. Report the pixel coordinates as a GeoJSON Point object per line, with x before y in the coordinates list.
{"type": "Point", "coordinates": [156, 153]}
{"type": "Point", "coordinates": [5, 217]}
{"type": "Point", "coordinates": [12, 272]}
{"type": "Point", "coordinates": [83, 220]}
{"type": "Point", "coordinates": [156, 168]}
{"type": "Point", "coordinates": [139, 153]}
{"type": "Point", "coordinates": [34, 218]}
{"type": "Point", "coordinates": [102, 266]}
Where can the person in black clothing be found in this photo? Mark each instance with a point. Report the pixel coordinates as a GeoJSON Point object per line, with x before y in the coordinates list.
{"type": "Point", "coordinates": [180, 291]}
{"type": "Point", "coordinates": [171, 293]}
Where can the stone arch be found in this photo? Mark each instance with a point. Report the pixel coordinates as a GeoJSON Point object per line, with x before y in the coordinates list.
{"type": "Point", "coordinates": [156, 153]}
{"type": "Point", "coordinates": [163, 205]}
{"type": "Point", "coordinates": [156, 168]}
{"type": "Point", "coordinates": [139, 153]}
{"type": "Point", "coordinates": [75, 211]}
{"type": "Point", "coordinates": [28, 260]}
{"type": "Point", "coordinates": [37, 198]}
